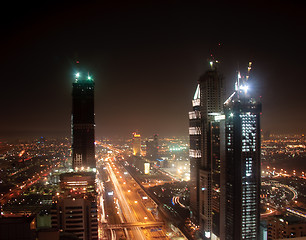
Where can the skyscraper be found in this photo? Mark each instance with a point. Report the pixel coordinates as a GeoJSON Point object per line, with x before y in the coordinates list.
{"type": "Point", "coordinates": [204, 152]}
{"type": "Point", "coordinates": [241, 168]}
{"type": "Point", "coordinates": [75, 210]}
{"type": "Point", "coordinates": [152, 148]}
{"type": "Point", "coordinates": [136, 144]}
{"type": "Point", "coordinates": [83, 122]}
{"type": "Point", "coordinates": [195, 152]}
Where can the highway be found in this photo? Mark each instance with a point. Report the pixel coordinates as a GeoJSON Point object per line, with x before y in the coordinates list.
{"type": "Point", "coordinates": [126, 208]}
{"type": "Point", "coordinates": [136, 220]}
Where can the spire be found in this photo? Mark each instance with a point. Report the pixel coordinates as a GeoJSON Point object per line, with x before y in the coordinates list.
{"type": "Point", "coordinates": [77, 70]}
{"type": "Point", "coordinates": [241, 85]}
{"type": "Point", "coordinates": [237, 83]}
{"type": "Point", "coordinates": [197, 93]}
{"type": "Point", "coordinates": [249, 69]}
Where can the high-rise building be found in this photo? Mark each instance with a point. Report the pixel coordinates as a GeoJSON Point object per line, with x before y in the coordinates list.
{"type": "Point", "coordinates": [241, 168]}
{"type": "Point", "coordinates": [136, 144]}
{"type": "Point", "coordinates": [75, 210]}
{"type": "Point", "coordinates": [205, 151]}
{"type": "Point", "coordinates": [152, 148]}
{"type": "Point", "coordinates": [195, 152]}
{"type": "Point", "coordinates": [83, 123]}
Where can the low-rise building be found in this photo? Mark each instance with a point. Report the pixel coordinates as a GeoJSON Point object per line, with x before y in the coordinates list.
{"type": "Point", "coordinates": [286, 226]}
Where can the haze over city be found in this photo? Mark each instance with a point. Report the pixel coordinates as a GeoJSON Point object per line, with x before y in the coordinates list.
{"type": "Point", "coordinates": [146, 59]}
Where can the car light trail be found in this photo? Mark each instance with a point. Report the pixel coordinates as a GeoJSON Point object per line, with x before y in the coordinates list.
{"type": "Point", "coordinates": [126, 209]}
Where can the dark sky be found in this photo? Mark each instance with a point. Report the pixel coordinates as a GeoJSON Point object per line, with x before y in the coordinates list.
{"type": "Point", "coordinates": [146, 57]}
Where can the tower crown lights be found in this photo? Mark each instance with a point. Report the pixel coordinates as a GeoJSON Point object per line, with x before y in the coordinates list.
{"type": "Point", "coordinates": [82, 77]}
{"type": "Point", "coordinates": [241, 85]}
{"type": "Point", "coordinates": [213, 63]}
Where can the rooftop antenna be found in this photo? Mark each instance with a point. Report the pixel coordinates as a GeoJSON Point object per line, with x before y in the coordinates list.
{"type": "Point", "coordinates": [249, 69]}
{"type": "Point", "coordinates": [77, 75]}
{"type": "Point", "coordinates": [212, 60]}
{"type": "Point", "coordinates": [243, 85]}
{"type": "Point", "coordinates": [88, 77]}
{"type": "Point", "coordinates": [237, 83]}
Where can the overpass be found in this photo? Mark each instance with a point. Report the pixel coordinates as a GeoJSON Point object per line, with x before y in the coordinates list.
{"type": "Point", "coordinates": [148, 224]}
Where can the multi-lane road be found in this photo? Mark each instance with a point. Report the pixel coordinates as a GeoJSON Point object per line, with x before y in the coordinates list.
{"type": "Point", "coordinates": [136, 221]}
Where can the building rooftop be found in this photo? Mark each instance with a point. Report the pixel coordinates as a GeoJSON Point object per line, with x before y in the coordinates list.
{"type": "Point", "coordinates": [290, 219]}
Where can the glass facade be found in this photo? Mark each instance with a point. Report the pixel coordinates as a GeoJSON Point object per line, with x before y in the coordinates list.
{"type": "Point", "coordinates": [204, 132]}
{"type": "Point", "coordinates": [195, 152]}
{"type": "Point", "coordinates": [242, 169]}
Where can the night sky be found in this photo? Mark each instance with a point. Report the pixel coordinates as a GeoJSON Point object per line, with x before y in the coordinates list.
{"type": "Point", "coordinates": [146, 58]}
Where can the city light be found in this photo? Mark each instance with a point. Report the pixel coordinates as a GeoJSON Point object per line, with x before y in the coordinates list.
{"type": "Point", "coordinates": [223, 167]}
{"type": "Point", "coordinates": [244, 88]}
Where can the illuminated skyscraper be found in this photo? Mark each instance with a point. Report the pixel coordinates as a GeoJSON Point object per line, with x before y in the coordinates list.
{"type": "Point", "coordinates": [136, 144]}
{"type": "Point", "coordinates": [83, 122]}
{"type": "Point", "coordinates": [195, 152]}
{"type": "Point", "coordinates": [205, 151]}
{"type": "Point", "coordinates": [241, 168]}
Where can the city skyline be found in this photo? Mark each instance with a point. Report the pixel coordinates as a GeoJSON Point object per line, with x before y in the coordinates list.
{"type": "Point", "coordinates": [144, 59]}
{"type": "Point", "coordinates": [148, 120]}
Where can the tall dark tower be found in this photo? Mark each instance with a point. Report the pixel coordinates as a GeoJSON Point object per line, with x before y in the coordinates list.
{"type": "Point", "coordinates": [205, 152]}
{"type": "Point", "coordinates": [152, 148]}
{"type": "Point", "coordinates": [241, 169]}
{"type": "Point", "coordinates": [83, 123]}
{"type": "Point", "coordinates": [195, 152]}
{"type": "Point", "coordinates": [78, 187]}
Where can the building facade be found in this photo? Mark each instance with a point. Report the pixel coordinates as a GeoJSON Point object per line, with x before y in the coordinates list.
{"type": "Point", "coordinates": [83, 123]}
{"type": "Point", "coordinates": [195, 152]}
{"type": "Point", "coordinates": [286, 226]}
{"type": "Point", "coordinates": [75, 210]}
{"type": "Point", "coordinates": [136, 141]}
{"type": "Point", "coordinates": [77, 216]}
{"type": "Point", "coordinates": [152, 148]}
{"type": "Point", "coordinates": [205, 151]}
{"type": "Point", "coordinates": [241, 168]}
